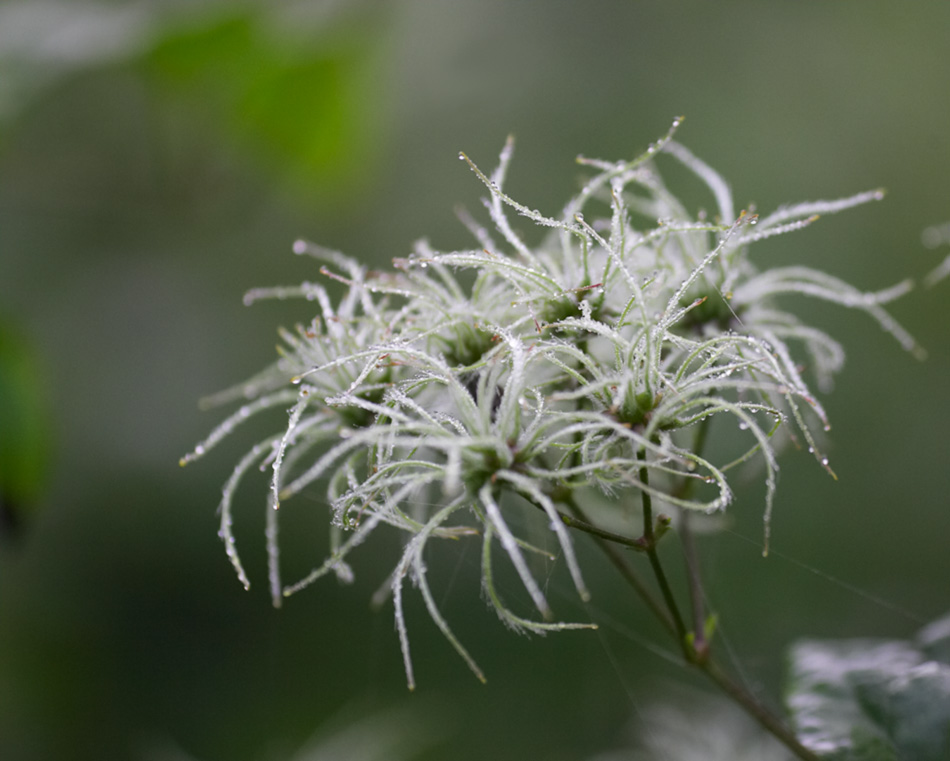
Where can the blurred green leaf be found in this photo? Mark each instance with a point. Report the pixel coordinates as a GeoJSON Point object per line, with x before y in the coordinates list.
{"type": "Point", "coordinates": [43, 42]}
{"type": "Point", "coordinates": [300, 91]}
{"type": "Point", "coordinates": [23, 430]}
{"type": "Point", "coordinates": [308, 105]}
{"type": "Point", "coordinates": [872, 700]}
{"type": "Point", "coordinates": [934, 640]}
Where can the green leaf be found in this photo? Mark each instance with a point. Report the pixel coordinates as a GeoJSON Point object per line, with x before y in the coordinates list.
{"type": "Point", "coordinates": [873, 700]}
{"type": "Point", "coordinates": [23, 442]}
{"type": "Point", "coordinates": [934, 640]}
{"type": "Point", "coordinates": [306, 106]}
{"type": "Point", "coordinates": [298, 91]}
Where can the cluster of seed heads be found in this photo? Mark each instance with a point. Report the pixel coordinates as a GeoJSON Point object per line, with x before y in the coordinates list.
{"type": "Point", "coordinates": [459, 391]}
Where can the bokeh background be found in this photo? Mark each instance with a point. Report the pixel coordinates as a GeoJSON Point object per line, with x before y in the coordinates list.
{"type": "Point", "coordinates": [158, 159]}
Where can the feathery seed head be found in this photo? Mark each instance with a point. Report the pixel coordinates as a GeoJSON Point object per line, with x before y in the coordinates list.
{"type": "Point", "coordinates": [593, 361]}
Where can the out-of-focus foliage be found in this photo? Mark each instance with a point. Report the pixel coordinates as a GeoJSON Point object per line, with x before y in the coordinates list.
{"type": "Point", "coordinates": [23, 428]}
{"type": "Point", "coordinates": [43, 42]}
{"type": "Point", "coordinates": [933, 237]}
{"type": "Point", "coordinates": [694, 727]}
{"type": "Point", "coordinates": [386, 735]}
{"type": "Point", "coordinates": [874, 700]}
{"type": "Point", "coordinates": [300, 89]}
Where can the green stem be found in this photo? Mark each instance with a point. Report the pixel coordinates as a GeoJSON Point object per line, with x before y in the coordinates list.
{"type": "Point", "coordinates": [621, 564]}
{"type": "Point", "coordinates": [604, 540]}
{"type": "Point", "coordinates": [654, 556]}
{"type": "Point", "coordinates": [582, 524]}
{"type": "Point", "coordinates": [691, 556]}
{"type": "Point", "coordinates": [700, 645]}
{"type": "Point", "coordinates": [767, 720]}
{"type": "Point", "coordinates": [696, 653]}
{"type": "Point", "coordinates": [672, 621]}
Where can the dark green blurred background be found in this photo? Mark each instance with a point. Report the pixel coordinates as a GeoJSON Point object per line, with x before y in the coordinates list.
{"type": "Point", "coordinates": [157, 159]}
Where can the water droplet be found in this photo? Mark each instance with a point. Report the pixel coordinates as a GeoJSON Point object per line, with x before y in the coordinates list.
{"type": "Point", "coordinates": [300, 246]}
{"type": "Point", "coordinates": [824, 461]}
{"type": "Point", "coordinates": [199, 450]}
